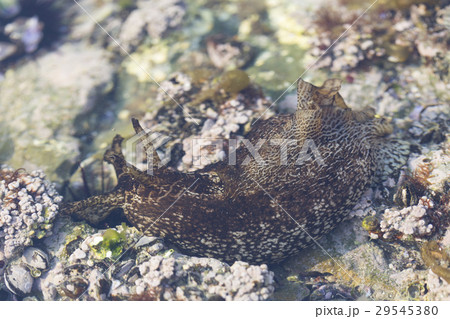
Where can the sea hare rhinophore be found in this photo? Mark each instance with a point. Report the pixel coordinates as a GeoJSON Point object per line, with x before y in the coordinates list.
{"type": "Point", "coordinates": [264, 208]}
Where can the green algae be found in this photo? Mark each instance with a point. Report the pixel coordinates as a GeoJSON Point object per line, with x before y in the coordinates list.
{"type": "Point", "coordinates": [232, 82]}
{"type": "Point", "coordinates": [277, 67]}
{"type": "Point", "coordinates": [111, 244]}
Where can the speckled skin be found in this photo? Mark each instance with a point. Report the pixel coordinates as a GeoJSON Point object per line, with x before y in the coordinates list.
{"type": "Point", "coordinates": [256, 212]}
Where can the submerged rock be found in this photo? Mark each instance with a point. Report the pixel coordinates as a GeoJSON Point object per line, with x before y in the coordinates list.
{"type": "Point", "coordinates": [148, 270]}
{"type": "Point", "coordinates": [28, 32]}
{"type": "Point", "coordinates": [44, 112]}
{"type": "Point", "coordinates": [151, 18]}
{"type": "Point", "coordinates": [27, 25]}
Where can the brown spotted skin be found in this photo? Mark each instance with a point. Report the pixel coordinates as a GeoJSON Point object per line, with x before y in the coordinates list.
{"type": "Point", "coordinates": [241, 212]}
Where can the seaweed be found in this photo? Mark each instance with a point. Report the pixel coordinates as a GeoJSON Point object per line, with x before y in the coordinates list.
{"type": "Point", "coordinates": [111, 244]}
{"type": "Point", "coordinates": [433, 257]}
{"type": "Point", "coordinates": [228, 85]}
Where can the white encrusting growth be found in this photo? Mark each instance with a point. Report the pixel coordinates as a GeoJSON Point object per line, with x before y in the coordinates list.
{"type": "Point", "coordinates": [28, 205]}
{"type": "Point", "coordinates": [412, 220]}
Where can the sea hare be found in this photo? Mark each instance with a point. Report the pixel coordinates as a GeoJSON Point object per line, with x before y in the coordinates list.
{"type": "Point", "coordinates": [276, 199]}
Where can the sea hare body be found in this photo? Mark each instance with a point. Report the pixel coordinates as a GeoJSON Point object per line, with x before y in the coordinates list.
{"type": "Point", "coordinates": [274, 201]}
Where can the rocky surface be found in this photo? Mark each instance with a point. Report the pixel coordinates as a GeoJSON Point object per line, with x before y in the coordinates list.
{"type": "Point", "coordinates": [124, 264]}
{"type": "Point", "coordinates": [43, 115]}
{"type": "Point", "coordinates": [151, 18]}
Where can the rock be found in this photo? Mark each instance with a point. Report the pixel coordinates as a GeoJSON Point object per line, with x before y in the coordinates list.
{"type": "Point", "coordinates": [146, 273]}
{"type": "Point", "coordinates": [439, 288]}
{"type": "Point", "coordinates": [151, 18]}
{"type": "Point", "coordinates": [69, 82]}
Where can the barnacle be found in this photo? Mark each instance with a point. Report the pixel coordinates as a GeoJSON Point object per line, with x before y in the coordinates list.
{"type": "Point", "coordinates": [414, 186]}
{"type": "Point", "coordinates": [74, 238]}
{"type": "Point", "coordinates": [28, 206]}
{"type": "Point", "coordinates": [415, 290]}
{"type": "Point", "coordinates": [73, 288]}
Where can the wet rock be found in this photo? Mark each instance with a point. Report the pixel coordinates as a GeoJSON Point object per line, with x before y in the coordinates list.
{"type": "Point", "coordinates": [28, 32]}
{"type": "Point", "coordinates": [151, 18]}
{"type": "Point", "coordinates": [150, 271]}
{"type": "Point", "coordinates": [69, 82]}
{"type": "Point", "coordinates": [9, 8]}
{"type": "Point", "coordinates": [439, 288]}
{"type": "Point", "coordinates": [29, 25]}
{"type": "Point", "coordinates": [7, 50]}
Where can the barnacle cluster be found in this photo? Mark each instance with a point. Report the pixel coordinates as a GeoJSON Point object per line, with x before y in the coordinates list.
{"type": "Point", "coordinates": [149, 271]}
{"type": "Point", "coordinates": [214, 279]}
{"type": "Point", "coordinates": [409, 221]}
{"type": "Point", "coordinates": [28, 206]}
{"type": "Point", "coordinates": [421, 201]}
